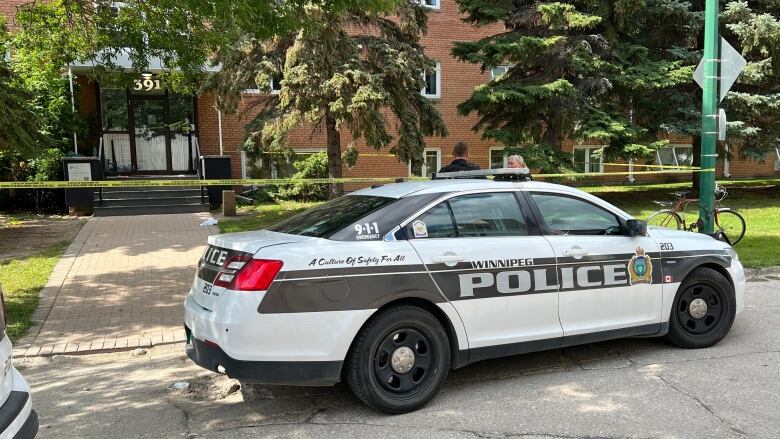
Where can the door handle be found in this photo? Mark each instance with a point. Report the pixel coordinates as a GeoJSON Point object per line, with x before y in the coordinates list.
{"type": "Point", "coordinates": [449, 259]}
{"type": "Point", "coordinates": [576, 252]}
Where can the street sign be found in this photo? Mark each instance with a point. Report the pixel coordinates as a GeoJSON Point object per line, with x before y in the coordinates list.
{"type": "Point", "coordinates": [731, 65]}
{"type": "Point", "coordinates": [722, 124]}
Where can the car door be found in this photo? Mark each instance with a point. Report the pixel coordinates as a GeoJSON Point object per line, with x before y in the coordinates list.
{"type": "Point", "coordinates": [486, 255]}
{"type": "Point", "coordinates": [610, 283]}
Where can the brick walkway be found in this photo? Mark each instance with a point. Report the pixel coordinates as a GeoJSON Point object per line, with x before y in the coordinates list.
{"type": "Point", "coordinates": [121, 284]}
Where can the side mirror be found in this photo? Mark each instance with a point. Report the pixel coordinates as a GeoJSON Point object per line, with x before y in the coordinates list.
{"type": "Point", "coordinates": [637, 227]}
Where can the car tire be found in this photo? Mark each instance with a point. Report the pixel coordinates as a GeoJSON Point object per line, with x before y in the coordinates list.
{"type": "Point", "coordinates": [418, 344]}
{"type": "Point", "coordinates": [703, 310]}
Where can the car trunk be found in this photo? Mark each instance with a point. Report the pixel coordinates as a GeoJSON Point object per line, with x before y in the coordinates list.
{"type": "Point", "coordinates": [222, 248]}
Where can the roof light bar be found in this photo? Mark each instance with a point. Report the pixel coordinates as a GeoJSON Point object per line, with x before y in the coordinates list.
{"type": "Point", "coordinates": [521, 174]}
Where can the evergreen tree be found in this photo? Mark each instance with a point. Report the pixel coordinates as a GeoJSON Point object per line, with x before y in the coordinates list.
{"type": "Point", "coordinates": [579, 70]}
{"type": "Point", "coordinates": [353, 72]}
{"type": "Point", "coordinates": [754, 102]}
{"type": "Point", "coordinates": [556, 72]}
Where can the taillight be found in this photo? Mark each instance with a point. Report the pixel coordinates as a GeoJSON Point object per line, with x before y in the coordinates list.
{"type": "Point", "coordinates": [243, 273]}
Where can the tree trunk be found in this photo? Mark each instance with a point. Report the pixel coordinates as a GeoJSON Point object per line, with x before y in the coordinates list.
{"type": "Point", "coordinates": [695, 176]}
{"type": "Point", "coordinates": [334, 157]}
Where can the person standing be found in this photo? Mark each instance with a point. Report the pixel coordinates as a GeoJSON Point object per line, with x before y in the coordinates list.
{"type": "Point", "coordinates": [460, 159]}
{"type": "Point", "coordinates": [516, 162]}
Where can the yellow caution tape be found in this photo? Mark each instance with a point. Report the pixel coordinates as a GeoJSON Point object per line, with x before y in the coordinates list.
{"type": "Point", "coordinates": [285, 181]}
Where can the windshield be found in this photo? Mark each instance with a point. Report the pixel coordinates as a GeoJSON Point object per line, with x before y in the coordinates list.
{"type": "Point", "coordinates": [327, 219]}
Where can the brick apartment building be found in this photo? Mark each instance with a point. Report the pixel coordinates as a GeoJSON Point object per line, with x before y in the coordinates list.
{"type": "Point", "coordinates": [148, 130]}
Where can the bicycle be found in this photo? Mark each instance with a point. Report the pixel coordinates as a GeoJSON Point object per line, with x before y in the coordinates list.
{"type": "Point", "coordinates": [730, 222]}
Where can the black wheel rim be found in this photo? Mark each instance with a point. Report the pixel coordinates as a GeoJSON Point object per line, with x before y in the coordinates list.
{"type": "Point", "coordinates": [405, 383]}
{"type": "Point", "coordinates": [698, 320]}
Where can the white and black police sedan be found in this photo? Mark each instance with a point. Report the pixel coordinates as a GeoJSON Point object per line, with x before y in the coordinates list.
{"type": "Point", "coordinates": [389, 288]}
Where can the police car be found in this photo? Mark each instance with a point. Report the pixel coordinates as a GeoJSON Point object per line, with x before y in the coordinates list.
{"type": "Point", "coordinates": [389, 288]}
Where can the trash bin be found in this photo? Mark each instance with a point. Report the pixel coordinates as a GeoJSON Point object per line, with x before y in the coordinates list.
{"type": "Point", "coordinates": [81, 201]}
{"type": "Point", "coordinates": [215, 167]}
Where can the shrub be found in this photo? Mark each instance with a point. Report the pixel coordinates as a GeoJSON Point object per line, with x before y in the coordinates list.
{"type": "Point", "coordinates": [314, 166]}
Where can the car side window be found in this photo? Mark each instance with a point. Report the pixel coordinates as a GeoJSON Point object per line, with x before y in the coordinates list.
{"type": "Point", "coordinates": [571, 216]}
{"type": "Point", "coordinates": [474, 215]}
{"type": "Point", "coordinates": [494, 214]}
{"type": "Point", "coordinates": [435, 223]}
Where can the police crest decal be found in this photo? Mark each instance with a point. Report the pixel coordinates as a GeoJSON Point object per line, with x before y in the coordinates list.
{"type": "Point", "coordinates": [640, 268]}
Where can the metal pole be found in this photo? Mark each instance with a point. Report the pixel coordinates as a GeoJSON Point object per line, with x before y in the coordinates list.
{"type": "Point", "coordinates": [219, 124]}
{"type": "Point", "coordinates": [73, 108]}
{"type": "Point", "coordinates": [709, 115]}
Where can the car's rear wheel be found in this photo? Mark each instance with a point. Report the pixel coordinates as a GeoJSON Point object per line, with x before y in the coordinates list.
{"type": "Point", "coordinates": [703, 310]}
{"type": "Point", "coordinates": [399, 360]}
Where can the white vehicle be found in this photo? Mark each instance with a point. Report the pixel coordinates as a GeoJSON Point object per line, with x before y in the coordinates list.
{"type": "Point", "coordinates": [389, 288]}
{"type": "Point", "coordinates": [17, 418]}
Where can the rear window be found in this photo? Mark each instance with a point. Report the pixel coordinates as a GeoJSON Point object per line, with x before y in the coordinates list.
{"type": "Point", "coordinates": [327, 219]}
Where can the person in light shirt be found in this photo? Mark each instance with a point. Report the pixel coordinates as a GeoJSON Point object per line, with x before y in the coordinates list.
{"type": "Point", "coordinates": [516, 162]}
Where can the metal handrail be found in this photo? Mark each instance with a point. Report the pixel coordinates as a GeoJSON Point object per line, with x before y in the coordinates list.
{"type": "Point", "coordinates": [198, 169]}
{"type": "Point", "coordinates": [101, 152]}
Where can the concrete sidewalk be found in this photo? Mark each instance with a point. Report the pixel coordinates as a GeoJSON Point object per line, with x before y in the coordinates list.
{"type": "Point", "coordinates": [120, 284]}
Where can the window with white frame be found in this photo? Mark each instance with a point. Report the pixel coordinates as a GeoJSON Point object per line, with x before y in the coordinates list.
{"type": "Point", "coordinates": [675, 155]}
{"type": "Point", "coordinates": [274, 87]}
{"type": "Point", "coordinates": [276, 84]}
{"type": "Point", "coordinates": [431, 163]}
{"type": "Point", "coordinates": [777, 160]}
{"type": "Point", "coordinates": [498, 159]}
{"type": "Point", "coordinates": [433, 4]}
{"type": "Point", "coordinates": [432, 79]}
{"type": "Point", "coordinates": [497, 71]}
{"type": "Point", "coordinates": [584, 160]}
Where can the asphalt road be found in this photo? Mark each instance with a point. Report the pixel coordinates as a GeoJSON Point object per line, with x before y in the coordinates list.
{"type": "Point", "coordinates": [627, 388]}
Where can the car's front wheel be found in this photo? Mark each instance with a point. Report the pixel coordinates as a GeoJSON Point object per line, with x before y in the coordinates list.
{"type": "Point", "coordinates": [399, 360]}
{"type": "Point", "coordinates": [703, 310]}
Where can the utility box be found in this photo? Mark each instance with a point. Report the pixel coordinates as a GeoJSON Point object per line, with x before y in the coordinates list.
{"type": "Point", "coordinates": [81, 201]}
{"type": "Point", "coordinates": [215, 167]}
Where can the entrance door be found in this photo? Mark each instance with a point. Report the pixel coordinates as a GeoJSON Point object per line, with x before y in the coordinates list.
{"type": "Point", "coordinates": [152, 149]}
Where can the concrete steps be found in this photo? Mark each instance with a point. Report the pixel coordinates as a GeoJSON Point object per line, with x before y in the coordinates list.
{"type": "Point", "coordinates": [125, 201]}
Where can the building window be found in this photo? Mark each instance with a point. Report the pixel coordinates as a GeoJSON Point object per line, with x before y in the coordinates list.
{"type": "Point", "coordinates": [274, 87]}
{"type": "Point", "coordinates": [498, 159]}
{"type": "Point", "coordinates": [433, 4]}
{"type": "Point", "coordinates": [431, 163]}
{"type": "Point", "coordinates": [495, 72]}
{"type": "Point", "coordinates": [677, 155]}
{"type": "Point", "coordinates": [432, 87]}
{"type": "Point", "coordinates": [584, 160]}
{"type": "Point", "coordinates": [113, 109]}
{"type": "Point", "coordinates": [777, 160]}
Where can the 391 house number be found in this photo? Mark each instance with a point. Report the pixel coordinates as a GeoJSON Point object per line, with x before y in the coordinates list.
{"type": "Point", "coordinates": [146, 83]}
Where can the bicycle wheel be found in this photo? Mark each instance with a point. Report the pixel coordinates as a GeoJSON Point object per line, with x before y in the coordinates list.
{"type": "Point", "coordinates": [731, 223]}
{"type": "Point", "coordinates": [668, 219]}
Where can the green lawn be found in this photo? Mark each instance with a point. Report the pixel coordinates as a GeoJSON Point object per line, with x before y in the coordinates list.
{"type": "Point", "coordinates": [757, 200]}
{"type": "Point", "coordinates": [21, 280]}
{"type": "Point", "coordinates": [262, 215]}
{"type": "Point", "coordinates": [753, 182]}
{"type": "Point", "coordinates": [759, 205]}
